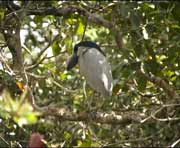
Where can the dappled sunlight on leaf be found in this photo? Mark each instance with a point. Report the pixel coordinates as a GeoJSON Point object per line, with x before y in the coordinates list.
{"type": "Point", "coordinates": [20, 110]}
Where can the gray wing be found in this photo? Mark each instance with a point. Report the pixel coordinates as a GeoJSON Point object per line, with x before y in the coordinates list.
{"type": "Point", "coordinates": [97, 71]}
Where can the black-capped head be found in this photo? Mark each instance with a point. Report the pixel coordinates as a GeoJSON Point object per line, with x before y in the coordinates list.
{"type": "Point", "coordinates": [74, 59]}
{"type": "Point", "coordinates": [89, 44]}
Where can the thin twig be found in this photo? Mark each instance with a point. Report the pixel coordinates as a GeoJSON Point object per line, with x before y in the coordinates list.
{"type": "Point", "coordinates": [85, 29]}
{"type": "Point", "coordinates": [7, 66]}
{"type": "Point", "coordinates": [27, 50]}
{"type": "Point", "coordinates": [175, 143]}
{"type": "Point", "coordinates": [62, 87]}
{"type": "Point", "coordinates": [153, 115]}
{"type": "Point", "coordinates": [43, 50]}
{"type": "Point", "coordinates": [4, 140]}
{"type": "Point", "coordinates": [36, 76]}
{"type": "Point", "coordinates": [36, 64]}
{"type": "Point", "coordinates": [87, 18]}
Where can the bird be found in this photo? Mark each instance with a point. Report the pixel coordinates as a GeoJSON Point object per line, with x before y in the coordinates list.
{"type": "Point", "coordinates": [94, 66]}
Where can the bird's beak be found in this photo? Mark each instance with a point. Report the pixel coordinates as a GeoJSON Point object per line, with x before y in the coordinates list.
{"type": "Point", "coordinates": [72, 62]}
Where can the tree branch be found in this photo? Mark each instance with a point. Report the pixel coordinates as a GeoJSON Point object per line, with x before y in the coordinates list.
{"type": "Point", "coordinates": [37, 60]}
{"type": "Point", "coordinates": [161, 83]}
{"type": "Point", "coordinates": [153, 114]}
{"type": "Point", "coordinates": [64, 114]}
{"type": "Point", "coordinates": [98, 117]}
{"type": "Point", "coordinates": [94, 18]}
{"type": "Point", "coordinates": [12, 37]}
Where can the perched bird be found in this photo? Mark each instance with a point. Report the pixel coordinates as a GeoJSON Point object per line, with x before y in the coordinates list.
{"type": "Point", "coordinates": [93, 66]}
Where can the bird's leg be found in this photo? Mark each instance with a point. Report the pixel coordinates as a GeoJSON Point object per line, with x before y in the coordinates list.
{"type": "Point", "coordinates": [86, 97]}
{"type": "Point", "coordinates": [95, 104]}
{"type": "Point", "coordinates": [92, 102]}
{"type": "Point", "coordinates": [85, 94]}
{"type": "Point", "coordinates": [89, 101]}
{"type": "Point", "coordinates": [91, 105]}
{"type": "Point", "coordinates": [100, 103]}
{"type": "Point", "coordinates": [84, 89]}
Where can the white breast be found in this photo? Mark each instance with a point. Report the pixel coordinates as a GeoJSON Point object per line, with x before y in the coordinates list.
{"type": "Point", "coordinates": [96, 70]}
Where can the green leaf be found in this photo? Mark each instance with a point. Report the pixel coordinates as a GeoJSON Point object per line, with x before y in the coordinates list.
{"type": "Point", "coordinates": [85, 143]}
{"type": "Point", "coordinates": [116, 89]}
{"type": "Point", "coordinates": [38, 20]}
{"type": "Point", "coordinates": [142, 81]}
{"type": "Point", "coordinates": [1, 15]}
{"type": "Point", "coordinates": [152, 66]}
{"type": "Point", "coordinates": [63, 76]}
{"type": "Point", "coordinates": [55, 48]}
{"type": "Point", "coordinates": [21, 111]}
{"type": "Point", "coordinates": [124, 10]}
{"type": "Point", "coordinates": [68, 43]}
{"type": "Point", "coordinates": [80, 28]}
{"type": "Point", "coordinates": [67, 135]}
{"type": "Point", "coordinates": [135, 20]}
{"type": "Point", "coordinates": [176, 12]}
{"type": "Point", "coordinates": [175, 27]}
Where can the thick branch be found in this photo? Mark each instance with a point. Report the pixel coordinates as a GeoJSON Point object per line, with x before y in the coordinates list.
{"type": "Point", "coordinates": [65, 114]}
{"type": "Point", "coordinates": [161, 83]}
{"type": "Point", "coordinates": [98, 117]}
{"type": "Point", "coordinates": [94, 18]}
{"type": "Point", "coordinates": [12, 37]}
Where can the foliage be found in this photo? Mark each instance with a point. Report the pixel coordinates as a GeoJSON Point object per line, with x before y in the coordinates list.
{"type": "Point", "coordinates": [150, 33]}
{"type": "Point", "coordinates": [19, 109]}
